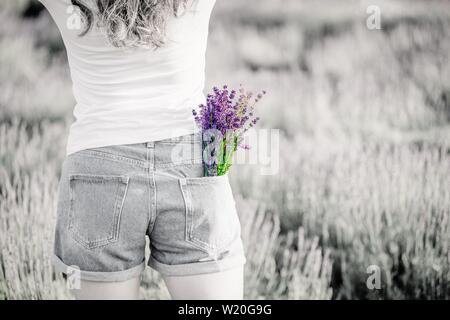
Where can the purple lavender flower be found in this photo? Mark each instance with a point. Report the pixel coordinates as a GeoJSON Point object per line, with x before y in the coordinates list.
{"type": "Point", "coordinates": [228, 113]}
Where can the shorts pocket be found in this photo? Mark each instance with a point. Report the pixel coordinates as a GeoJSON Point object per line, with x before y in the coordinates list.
{"type": "Point", "coordinates": [96, 203]}
{"type": "Point", "coordinates": [212, 222]}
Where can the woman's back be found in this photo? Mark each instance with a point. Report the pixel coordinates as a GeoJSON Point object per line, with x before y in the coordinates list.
{"type": "Point", "coordinates": [129, 95]}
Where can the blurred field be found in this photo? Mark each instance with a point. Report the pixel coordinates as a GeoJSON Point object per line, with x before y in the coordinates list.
{"type": "Point", "coordinates": [364, 160]}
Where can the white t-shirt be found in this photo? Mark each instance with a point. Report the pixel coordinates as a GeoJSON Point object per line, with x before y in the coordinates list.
{"type": "Point", "coordinates": [133, 95]}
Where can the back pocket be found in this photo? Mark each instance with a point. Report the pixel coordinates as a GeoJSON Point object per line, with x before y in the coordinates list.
{"type": "Point", "coordinates": [212, 222]}
{"type": "Point", "coordinates": [96, 203]}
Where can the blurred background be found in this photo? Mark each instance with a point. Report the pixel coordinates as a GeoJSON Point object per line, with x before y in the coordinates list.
{"type": "Point", "coordinates": [364, 120]}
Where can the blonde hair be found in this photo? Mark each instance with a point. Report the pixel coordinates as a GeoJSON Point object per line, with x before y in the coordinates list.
{"type": "Point", "coordinates": [131, 23]}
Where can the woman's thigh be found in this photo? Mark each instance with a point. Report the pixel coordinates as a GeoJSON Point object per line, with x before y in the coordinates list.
{"type": "Point", "coordinates": [124, 290]}
{"type": "Point", "coordinates": [225, 285]}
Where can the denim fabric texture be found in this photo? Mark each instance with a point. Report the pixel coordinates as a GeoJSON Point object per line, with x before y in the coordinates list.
{"type": "Point", "coordinates": [111, 198]}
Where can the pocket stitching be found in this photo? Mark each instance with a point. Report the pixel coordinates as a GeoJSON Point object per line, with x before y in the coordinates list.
{"type": "Point", "coordinates": [118, 206]}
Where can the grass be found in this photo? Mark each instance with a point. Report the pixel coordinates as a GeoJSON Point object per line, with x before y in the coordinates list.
{"type": "Point", "coordinates": [364, 118]}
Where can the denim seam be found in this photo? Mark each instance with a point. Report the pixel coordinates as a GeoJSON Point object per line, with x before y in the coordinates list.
{"type": "Point", "coordinates": [179, 142]}
{"type": "Point", "coordinates": [121, 208]}
{"type": "Point", "coordinates": [149, 214]}
{"type": "Point", "coordinates": [186, 209]}
{"type": "Point", "coordinates": [110, 156]}
{"type": "Point", "coordinates": [153, 205]}
{"type": "Point", "coordinates": [166, 165]}
{"type": "Point", "coordinates": [206, 180]}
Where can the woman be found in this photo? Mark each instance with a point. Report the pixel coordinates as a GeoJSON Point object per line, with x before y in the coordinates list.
{"type": "Point", "coordinates": [134, 162]}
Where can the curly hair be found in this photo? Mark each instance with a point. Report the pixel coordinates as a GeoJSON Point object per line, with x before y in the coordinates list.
{"type": "Point", "coordinates": [131, 23]}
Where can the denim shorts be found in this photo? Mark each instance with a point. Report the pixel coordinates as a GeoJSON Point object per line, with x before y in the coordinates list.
{"type": "Point", "coordinates": [111, 198]}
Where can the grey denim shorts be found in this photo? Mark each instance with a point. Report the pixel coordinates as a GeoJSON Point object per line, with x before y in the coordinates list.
{"type": "Point", "coordinates": [112, 198]}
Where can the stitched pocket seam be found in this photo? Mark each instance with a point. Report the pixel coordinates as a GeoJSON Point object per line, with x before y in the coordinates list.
{"type": "Point", "coordinates": [119, 199]}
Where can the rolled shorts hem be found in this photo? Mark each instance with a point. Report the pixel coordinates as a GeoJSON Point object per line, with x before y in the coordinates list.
{"type": "Point", "coordinates": [196, 268]}
{"type": "Point", "coordinates": [113, 276]}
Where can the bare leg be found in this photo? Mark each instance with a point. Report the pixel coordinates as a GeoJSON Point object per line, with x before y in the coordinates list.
{"type": "Point", "coordinates": [125, 290]}
{"type": "Point", "coordinates": [225, 285]}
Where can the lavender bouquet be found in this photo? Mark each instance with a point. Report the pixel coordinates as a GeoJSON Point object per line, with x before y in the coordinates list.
{"type": "Point", "coordinates": [227, 115]}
